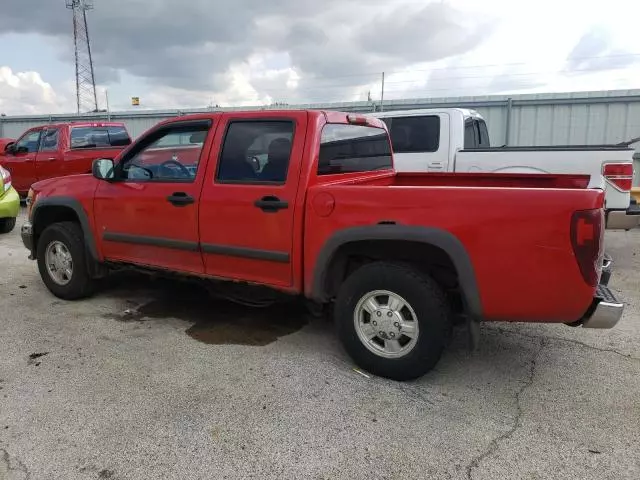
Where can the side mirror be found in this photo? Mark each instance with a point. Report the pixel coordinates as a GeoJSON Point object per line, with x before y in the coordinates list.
{"type": "Point", "coordinates": [10, 148]}
{"type": "Point", "coordinates": [102, 169]}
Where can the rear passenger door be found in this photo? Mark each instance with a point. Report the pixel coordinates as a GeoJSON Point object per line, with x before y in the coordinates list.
{"type": "Point", "coordinates": [248, 202]}
{"type": "Point", "coordinates": [420, 142]}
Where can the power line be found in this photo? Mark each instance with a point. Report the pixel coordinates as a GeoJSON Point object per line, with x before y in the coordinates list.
{"type": "Point", "coordinates": [465, 67]}
{"type": "Point", "coordinates": [408, 83]}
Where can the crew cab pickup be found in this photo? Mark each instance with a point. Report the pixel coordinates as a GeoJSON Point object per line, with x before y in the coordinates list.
{"type": "Point", "coordinates": [398, 256]}
{"type": "Point", "coordinates": [457, 140]}
{"type": "Point", "coordinates": [60, 149]}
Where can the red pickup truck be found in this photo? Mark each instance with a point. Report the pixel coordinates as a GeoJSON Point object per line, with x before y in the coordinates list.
{"type": "Point", "coordinates": [400, 257]}
{"type": "Point", "coordinates": [60, 149]}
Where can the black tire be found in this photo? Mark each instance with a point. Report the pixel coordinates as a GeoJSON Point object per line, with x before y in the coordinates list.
{"type": "Point", "coordinates": [430, 307]}
{"type": "Point", "coordinates": [7, 224]}
{"type": "Point", "coordinates": [70, 234]}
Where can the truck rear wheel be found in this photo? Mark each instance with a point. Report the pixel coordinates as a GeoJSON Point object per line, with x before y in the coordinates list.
{"type": "Point", "coordinates": [62, 261]}
{"type": "Point", "coordinates": [393, 320]}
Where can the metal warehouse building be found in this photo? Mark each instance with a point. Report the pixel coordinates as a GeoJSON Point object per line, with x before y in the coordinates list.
{"type": "Point", "coordinates": [530, 119]}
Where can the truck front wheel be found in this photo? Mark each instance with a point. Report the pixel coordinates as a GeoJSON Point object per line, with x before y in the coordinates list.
{"type": "Point", "coordinates": [393, 320]}
{"type": "Point", "coordinates": [62, 261]}
{"type": "Point", "coordinates": [7, 224]}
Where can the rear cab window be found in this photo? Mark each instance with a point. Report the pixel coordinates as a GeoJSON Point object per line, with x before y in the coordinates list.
{"type": "Point", "coordinates": [353, 148]}
{"type": "Point", "coordinates": [99, 137]}
{"type": "Point", "coordinates": [415, 134]}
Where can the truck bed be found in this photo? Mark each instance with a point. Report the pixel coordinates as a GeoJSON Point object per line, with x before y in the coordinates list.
{"type": "Point", "coordinates": [515, 229]}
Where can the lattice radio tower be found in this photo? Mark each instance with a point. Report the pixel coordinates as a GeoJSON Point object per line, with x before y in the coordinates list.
{"type": "Point", "coordinates": [87, 99]}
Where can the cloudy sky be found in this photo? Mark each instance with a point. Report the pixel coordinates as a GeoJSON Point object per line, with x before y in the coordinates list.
{"type": "Point", "coordinates": [247, 52]}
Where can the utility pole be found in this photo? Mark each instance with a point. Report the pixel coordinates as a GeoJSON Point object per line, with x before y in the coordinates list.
{"type": "Point", "coordinates": [382, 95]}
{"type": "Point", "coordinates": [106, 97]}
{"type": "Point", "coordinates": [86, 98]}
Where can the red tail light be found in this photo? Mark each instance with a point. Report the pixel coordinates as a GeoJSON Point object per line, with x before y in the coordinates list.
{"type": "Point", "coordinates": [587, 238]}
{"type": "Point", "coordinates": [619, 174]}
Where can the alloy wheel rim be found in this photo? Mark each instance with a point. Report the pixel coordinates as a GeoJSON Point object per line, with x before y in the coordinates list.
{"type": "Point", "coordinates": [59, 263]}
{"type": "Point", "coordinates": [386, 324]}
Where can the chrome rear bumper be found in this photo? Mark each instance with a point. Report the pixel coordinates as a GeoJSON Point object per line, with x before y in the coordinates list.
{"type": "Point", "coordinates": [606, 310]}
{"type": "Point", "coordinates": [623, 219]}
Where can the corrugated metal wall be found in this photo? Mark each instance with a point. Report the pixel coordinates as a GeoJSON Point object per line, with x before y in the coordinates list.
{"type": "Point", "coordinates": [531, 119]}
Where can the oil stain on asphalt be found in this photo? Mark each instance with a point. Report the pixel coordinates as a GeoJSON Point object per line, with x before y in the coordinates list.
{"type": "Point", "coordinates": [216, 321]}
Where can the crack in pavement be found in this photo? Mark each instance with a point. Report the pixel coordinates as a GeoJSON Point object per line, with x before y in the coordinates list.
{"type": "Point", "coordinates": [517, 420]}
{"type": "Point", "coordinates": [628, 356]}
{"type": "Point", "coordinates": [18, 465]}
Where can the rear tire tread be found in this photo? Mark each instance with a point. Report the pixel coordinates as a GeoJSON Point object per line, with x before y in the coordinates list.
{"type": "Point", "coordinates": [426, 298]}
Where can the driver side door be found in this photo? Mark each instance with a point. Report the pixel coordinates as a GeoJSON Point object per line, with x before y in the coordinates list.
{"type": "Point", "coordinates": [148, 214]}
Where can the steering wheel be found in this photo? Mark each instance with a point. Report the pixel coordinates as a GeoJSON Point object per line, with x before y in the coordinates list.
{"type": "Point", "coordinates": [127, 169]}
{"type": "Point", "coordinates": [181, 167]}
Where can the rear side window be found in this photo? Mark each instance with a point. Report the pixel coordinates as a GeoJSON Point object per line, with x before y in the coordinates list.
{"type": "Point", "coordinates": [256, 151]}
{"type": "Point", "coordinates": [353, 148]}
{"type": "Point", "coordinates": [484, 134]}
{"type": "Point", "coordinates": [470, 134]}
{"type": "Point", "coordinates": [99, 137]}
{"type": "Point", "coordinates": [476, 134]}
{"type": "Point", "coordinates": [414, 134]}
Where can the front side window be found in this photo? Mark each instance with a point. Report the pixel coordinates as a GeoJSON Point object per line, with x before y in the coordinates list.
{"type": "Point", "coordinates": [49, 141]}
{"type": "Point", "coordinates": [353, 148]}
{"type": "Point", "coordinates": [99, 137]}
{"type": "Point", "coordinates": [256, 152]}
{"type": "Point", "coordinates": [158, 158]}
{"type": "Point", "coordinates": [29, 142]}
{"type": "Point", "coordinates": [414, 134]}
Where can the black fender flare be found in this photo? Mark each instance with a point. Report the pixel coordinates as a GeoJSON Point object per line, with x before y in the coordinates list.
{"type": "Point", "coordinates": [442, 239]}
{"type": "Point", "coordinates": [77, 208]}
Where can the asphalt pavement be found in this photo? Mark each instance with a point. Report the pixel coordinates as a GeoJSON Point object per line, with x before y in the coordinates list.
{"type": "Point", "coordinates": [155, 380]}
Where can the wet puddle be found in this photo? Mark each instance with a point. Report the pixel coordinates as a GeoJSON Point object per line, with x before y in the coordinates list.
{"type": "Point", "coordinates": [216, 321]}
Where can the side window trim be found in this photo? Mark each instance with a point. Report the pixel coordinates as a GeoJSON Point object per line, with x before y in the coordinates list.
{"type": "Point", "coordinates": [230, 121]}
